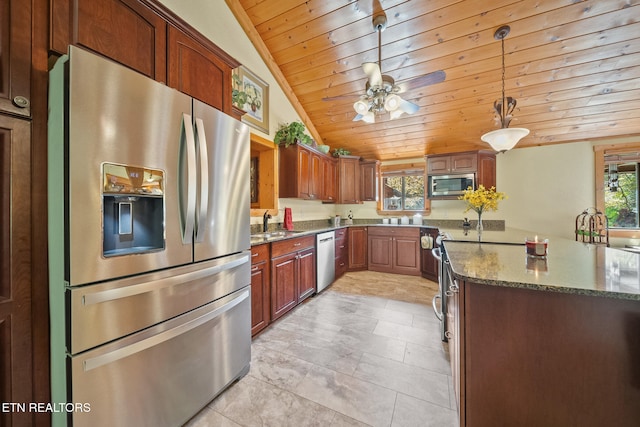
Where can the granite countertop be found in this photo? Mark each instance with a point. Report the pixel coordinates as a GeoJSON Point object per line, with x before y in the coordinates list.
{"type": "Point", "coordinates": [570, 267]}
{"type": "Point", "coordinates": [508, 235]}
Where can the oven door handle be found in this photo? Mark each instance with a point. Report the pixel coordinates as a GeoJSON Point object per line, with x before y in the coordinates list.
{"type": "Point", "coordinates": [438, 314]}
{"type": "Point", "coordinates": [436, 253]}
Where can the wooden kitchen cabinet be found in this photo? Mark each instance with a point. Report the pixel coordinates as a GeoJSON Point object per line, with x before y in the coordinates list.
{"type": "Point", "coordinates": [369, 172]}
{"type": "Point", "coordinates": [341, 251]}
{"type": "Point", "coordinates": [293, 273]}
{"type": "Point", "coordinates": [394, 250]}
{"type": "Point", "coordinates": [302, 173]}
{"type": "Point", "coordinates": [358, 248]}
{"type": "Point", "coordinates": [17, 354]}
{"type": "Point", "coordinates": [575, 362]}
{"type": "Point", "coordinates": [15, 55]}
{"type": "Point", "coordinates": [260, 288]}
{"type": "Point", "coordinates": [188, 61]}
{"type": "Point", "coordinates": [126, 31]}
{"type": "Point", "coordinates": [329, 179]}
{"type": "Point", "coordinates": [430, 264]}
{"type": "Point", "coordinates": [349, 179]}
{"type": "Point", "coordinates": [481, 163]}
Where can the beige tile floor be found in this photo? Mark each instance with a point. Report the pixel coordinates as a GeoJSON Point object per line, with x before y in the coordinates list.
{"type": "Point", "coordinates": [365, 352]}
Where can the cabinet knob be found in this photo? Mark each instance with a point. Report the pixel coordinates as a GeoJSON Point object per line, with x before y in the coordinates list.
{"type": "Point", "coordinates": [449, 335]}
{"type": "Point", "coordinates": [20, 101]}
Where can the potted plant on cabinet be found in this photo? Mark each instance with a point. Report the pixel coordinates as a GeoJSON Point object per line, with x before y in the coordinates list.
{"type": "Point", "coordinates": [292, 133]}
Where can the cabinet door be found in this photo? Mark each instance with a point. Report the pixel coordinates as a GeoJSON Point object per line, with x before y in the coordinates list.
{"type": "Point", "coordinates": [306, 273]}
{"type": "Point", "coordinates": [197, 71]}
{"type": "Point", "coordinates": [369, 181]}
{"type": "Point", "coordinates": [329, 179]}
{"type": "Point", "coordinates": [126, 31]}
{"type": "Point", "coordinates": [357, 248]}
{"type": "Point", "coordinates": [406, 255]}
{"type": "Point", "coordinates": [315, 178]}
{"type": "Point", "coordinates": [15, 267]}
{"type": "Point", "coordinates": [304, 174]}
{"type": "Point", "coordinates": [349, 182]}
{"type": "Point", "coordinates": [15, 57]}
{"type": "Point", "coordinates": [380, 253]}
{"type": "Point", "coordinates": [486, 170]}
{"type": "Point", "coordinates": [429, 262]}
{"type": "Point", "coordinates": [284, 294]}
{"type": "Point", "coordinates": [438, 164]}
{"type": "Point", "coordinates": [260, 298]}
{"type": "Point", "coordinates": [467, 162]}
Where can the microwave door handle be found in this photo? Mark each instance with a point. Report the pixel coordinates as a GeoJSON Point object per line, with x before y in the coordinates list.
{"type": "Point", "coordinates": [189, 215]}
{"type": "Point", "coordinates": [201, 212]}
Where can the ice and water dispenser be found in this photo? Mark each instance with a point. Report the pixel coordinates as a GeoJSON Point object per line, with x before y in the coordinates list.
{"type": "Point", "coordinates": [133, 209]}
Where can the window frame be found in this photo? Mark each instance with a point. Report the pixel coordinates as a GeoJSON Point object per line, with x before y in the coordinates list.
{"type": "Point", "coordinates": [599, 154]}
{"type": "Point", "coordinates": [403, 169]}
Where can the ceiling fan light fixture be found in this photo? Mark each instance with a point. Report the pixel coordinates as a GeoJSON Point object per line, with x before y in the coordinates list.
{"type": "Point", "coordinates": [392, 102]}
{"type": "Point", "coordinates": [369, 117]}
{"type": "Point", "coordinates": [396, 114]}
{"type": "Point", "coordinates": [506, 138]}
{"type": "Point", "coordinates": [361, 107]}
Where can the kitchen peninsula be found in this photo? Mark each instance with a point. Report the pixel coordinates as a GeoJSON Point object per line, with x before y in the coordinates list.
{"type": "Point", "coordinates": [545, 341]}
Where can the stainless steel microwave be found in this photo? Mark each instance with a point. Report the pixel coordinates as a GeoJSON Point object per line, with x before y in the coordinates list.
{"type": "Point", "coordinates": [450, 185]}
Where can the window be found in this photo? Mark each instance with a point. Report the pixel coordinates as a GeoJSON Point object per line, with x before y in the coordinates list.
{"type": "Point", "coordinates": [621, 191]}
{"type": "Point", "coordinates": [617, 182]}
{"type": "Point", "coordinates": [403, 189]}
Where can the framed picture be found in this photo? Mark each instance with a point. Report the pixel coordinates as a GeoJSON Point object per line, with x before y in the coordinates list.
{"type": "Point", "coordinates": [253, 93]}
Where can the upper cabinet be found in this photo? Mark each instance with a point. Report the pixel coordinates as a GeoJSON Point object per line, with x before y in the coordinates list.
{"type": "Point", "coordinates": [349, 179]}
{"type": "Point", "coordinates": [302, 173]}
{"type": "Point", "coordinates": [126, 31]}
{"type": "Point", "coordinates": [148, 38]}
{"type": "Point", "coordinates": [195, 69]}
{"type": "Point", "coordinates": [369, 172]}
{"type": "Point", "coordinates": [15, 46]}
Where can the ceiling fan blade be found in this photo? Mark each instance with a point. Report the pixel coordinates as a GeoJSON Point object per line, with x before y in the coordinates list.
{"type": "Point", "coordinates": [426, 80]}
{"type": "Point", "coordinates": [372, 70]}
{"type": "Point", "coordinates": [408, 107]}
{"type": "Point", "coordinates": [339, 97]}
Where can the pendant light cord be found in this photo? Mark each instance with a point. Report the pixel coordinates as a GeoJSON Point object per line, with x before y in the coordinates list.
{"type": "Point", "coordinates": [503, 107]}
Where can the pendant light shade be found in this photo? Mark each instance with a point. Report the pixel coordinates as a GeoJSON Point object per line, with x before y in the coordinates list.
{"type": "Point", "coordinates": [505, 138]}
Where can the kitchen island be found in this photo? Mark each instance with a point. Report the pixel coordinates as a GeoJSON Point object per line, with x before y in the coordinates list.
{"type": "Point", "coordinates": [549, 341]}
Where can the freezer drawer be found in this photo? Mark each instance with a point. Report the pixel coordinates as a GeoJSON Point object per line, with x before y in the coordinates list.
{"type": "Point", "coordinates": [105, 312]}
{"type": "Point", "coordinates": [164, 375]}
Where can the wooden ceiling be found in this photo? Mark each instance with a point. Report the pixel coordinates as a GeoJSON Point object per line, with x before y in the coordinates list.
{"type": "Point", "coordinates": [573, 66]}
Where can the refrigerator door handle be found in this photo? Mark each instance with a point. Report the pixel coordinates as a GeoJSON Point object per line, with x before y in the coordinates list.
{"type": "Point", "coordinates": [154, 285]}
{"type": "Point", "coordinates": [187, 126]}
{"type": "Point", "coordinates": [203, 200]}
{"type": "Point", "coordinates": [139, 346]}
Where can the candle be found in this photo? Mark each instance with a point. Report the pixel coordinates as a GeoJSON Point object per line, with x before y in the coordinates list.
{"type": "Point", "coordinates": [536, 247]}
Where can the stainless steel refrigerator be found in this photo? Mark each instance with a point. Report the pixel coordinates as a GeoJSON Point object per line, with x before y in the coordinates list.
{"type": "Point", "coordinates": [148, 247]}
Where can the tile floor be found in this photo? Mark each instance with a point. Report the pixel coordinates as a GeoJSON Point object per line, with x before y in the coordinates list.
{"type": "Point", "coordinates": [345, 359]}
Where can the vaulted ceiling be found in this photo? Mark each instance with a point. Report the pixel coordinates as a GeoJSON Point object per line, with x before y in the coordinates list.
{"type": "Point", "coordinates": [573, 66]}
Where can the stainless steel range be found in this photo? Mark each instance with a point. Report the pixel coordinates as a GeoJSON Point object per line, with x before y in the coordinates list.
{"type": "Point", "coordinates": [149, 247]}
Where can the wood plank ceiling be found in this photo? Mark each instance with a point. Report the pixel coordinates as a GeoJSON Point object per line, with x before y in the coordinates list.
{"type": "Point", "coordinates": [573, 66]}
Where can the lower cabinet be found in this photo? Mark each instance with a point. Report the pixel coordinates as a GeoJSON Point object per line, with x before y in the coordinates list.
{"type": "Point", "coordinates": [394, 250]}
{"type": "Point", "coordinates": [357, 248]}
{"type": "Point", "coordinates": [429, 262]}
{"type": "Point", "coordinates": [293, 273]}
{"type": "Point", "coordinates": [342, 251]}
{"type": "Point", "coordinates": [260, 289]}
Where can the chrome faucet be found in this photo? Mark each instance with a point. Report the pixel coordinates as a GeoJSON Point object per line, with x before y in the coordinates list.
{"type": "Point", "coordinates": [265, 221]}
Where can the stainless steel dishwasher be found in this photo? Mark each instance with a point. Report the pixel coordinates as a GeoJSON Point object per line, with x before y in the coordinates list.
{"type": "Point", "coordinates": [326, 264]}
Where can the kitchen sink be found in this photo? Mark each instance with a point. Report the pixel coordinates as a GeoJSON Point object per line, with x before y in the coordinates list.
{"type": "Point", "coordinates": [258, 237]}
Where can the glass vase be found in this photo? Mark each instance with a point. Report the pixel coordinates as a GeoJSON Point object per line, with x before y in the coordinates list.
{"type": "Point", "coordinates": [479, 226]}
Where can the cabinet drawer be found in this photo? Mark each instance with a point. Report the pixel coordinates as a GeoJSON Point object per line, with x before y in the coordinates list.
{"type": "Point", "coordinates": [291, 245]}
{"type": "Point", "coordinates": [395, 231]}
{"type": "Point", "coordinates": [341, 233]}
{"type": "Point", "coordinates": [341, 249]}
{"type": "Point", "coordinates": [259, 253]}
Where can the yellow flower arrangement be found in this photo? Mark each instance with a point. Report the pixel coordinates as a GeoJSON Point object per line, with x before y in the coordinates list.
{"type": "Point", "coordinates": [482, 199]}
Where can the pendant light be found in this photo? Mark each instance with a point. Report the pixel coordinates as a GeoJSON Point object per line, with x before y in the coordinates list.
{"type": "Point", "coordinates": [505, 138]}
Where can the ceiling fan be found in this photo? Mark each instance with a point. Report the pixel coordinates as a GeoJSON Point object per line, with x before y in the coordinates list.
{"type": "Point", "coordinates": [381, 91]}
